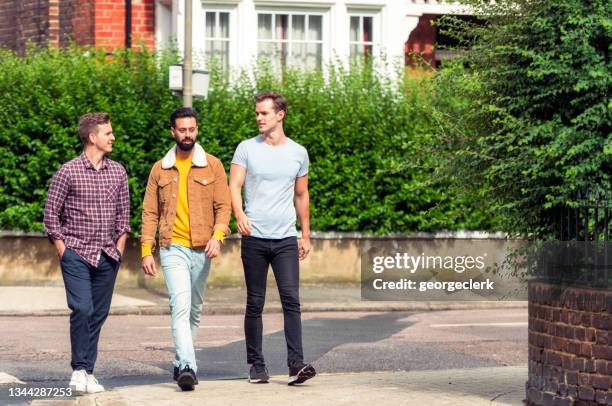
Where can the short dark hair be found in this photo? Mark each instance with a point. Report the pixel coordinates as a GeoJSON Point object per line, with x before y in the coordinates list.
{"type": "Point", "coordinates": [280, 103]}
{"type": "Point", "coordinates": [88, 123]}
{"type": "Point", "coordinates": [182, 112]}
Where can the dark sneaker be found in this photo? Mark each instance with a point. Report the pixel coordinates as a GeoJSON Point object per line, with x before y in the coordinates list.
{"type": "Point", "coordinates": [300, 373]}
{"type": "Point", "coordinates": [176, 374]}
{"type": "Point", "coordinates": [258, 374]}
{"type": "Point", "coordinates": [186, 379]}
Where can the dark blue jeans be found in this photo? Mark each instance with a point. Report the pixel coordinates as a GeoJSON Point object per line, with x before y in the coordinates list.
{"type": "Point", "coordinates": [89, 291]}
{"type": "Point", "coordinates": [257, 255]}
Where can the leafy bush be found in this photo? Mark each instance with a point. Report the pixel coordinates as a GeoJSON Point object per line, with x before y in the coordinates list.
{"type": "Point", "coordinates": [536, 126]}
{"type": "Point", "coordinates": [368, 137]}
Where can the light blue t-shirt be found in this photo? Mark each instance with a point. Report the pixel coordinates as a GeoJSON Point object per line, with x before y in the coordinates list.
{"type": "Point", "coordinates": [269, 186]}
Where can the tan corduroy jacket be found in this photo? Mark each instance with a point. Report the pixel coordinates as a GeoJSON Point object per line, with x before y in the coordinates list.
{"type": "Point", "coordinates": [208, 196]}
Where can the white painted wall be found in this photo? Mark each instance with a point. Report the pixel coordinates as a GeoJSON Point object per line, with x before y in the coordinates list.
{"type": "Point", "coordinates": [394, 20]}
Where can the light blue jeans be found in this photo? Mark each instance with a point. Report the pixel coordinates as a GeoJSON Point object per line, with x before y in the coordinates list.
{"type": "Point", "coordinates": [185, 270]}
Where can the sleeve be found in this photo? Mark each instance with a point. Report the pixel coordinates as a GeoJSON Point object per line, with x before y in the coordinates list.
{"type": "Point", "coordinates": [222, 202]}
{"type": "Point", "coordinates": [122, 212]}
{"type": "Point", "coordinates": [150, 211]}
{"type": "Point", "coordinates": [304, 167]}
{"type": "Point", "coordinates": [56, 197]}
{"type": "Point", "coordinates": [240, 155]}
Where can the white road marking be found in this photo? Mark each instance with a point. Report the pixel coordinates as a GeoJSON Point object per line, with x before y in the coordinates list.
{"type": "Point", "coordinates": [6, 378]}
{"type": "Point", "coordinates": [509, 324]}
{"type": "Point", "coordinates": [203, 327]}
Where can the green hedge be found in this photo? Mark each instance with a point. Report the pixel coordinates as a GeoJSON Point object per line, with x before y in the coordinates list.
{"type": "Point", "coordinates": [369, 139]}
{"type": "Point", "coordinates": [536, 127]}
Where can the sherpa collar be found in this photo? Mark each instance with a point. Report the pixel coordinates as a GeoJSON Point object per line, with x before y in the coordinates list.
{"type": "Point", "coordinates": [198, 159]}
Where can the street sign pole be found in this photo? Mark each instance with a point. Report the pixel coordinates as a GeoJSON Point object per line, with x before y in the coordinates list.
{"type": "Point", "coordinates": [187, 60]}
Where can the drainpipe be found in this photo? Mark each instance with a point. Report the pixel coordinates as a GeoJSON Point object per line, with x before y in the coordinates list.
{"type": "Point", "coordinates": [128, 24]}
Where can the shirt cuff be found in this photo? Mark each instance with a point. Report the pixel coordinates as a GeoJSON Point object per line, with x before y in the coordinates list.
{"type": "Point", "coordinates": [146, 250]}
{"type": "Point", "coordinates": [120, 231]}
{"type": "Point", "coordinates": [219, 235]}
{"type": "Point", "coordinates": [223, 228]}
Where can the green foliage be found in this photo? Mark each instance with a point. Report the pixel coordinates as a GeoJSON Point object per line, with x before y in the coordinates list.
{"type": "Point", "coordinates": [536, 126]}
{"type": "Point", "coordinates": [367, 136]}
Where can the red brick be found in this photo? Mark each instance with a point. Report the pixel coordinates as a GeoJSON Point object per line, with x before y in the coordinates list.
{"type": "Point", "coordinates": [579, 364]}
{"type": "Point", "coordinates": [602, 382]}
{"type": "Point", "coordinates": [601, 322]}
{"type": "Point", "coordinates": [590, 365]}
{"type": "Point", "coordinates": [601, 337]}
{"type": "Point", "coordinates": [602, 352]}
{"type": "Point", "coordinates": [584, 379]}
{"type": "Point", "coordinates": [580, 333]}
{"type": "Point", "coordinates": [586, 393]}
{"type": "Point", "coordinates": [590, 334]}
{"type": "Point", "coordinates": [600, 396]}
{"type": "Point", "coordinates": [586, 349]}
{"type": "Point", "coordinates": [571, 378]}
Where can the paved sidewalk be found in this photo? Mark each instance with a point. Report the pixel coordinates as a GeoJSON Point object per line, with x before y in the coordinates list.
{"type": "Point", "coordinates": [51, 301]}
{"type": "Point", "coordinates": [456, 387]}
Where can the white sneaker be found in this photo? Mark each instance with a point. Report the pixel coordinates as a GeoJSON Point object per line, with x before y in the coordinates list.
{"type": "Point", "coordinates": [78, 381]}
{"type": "Point", "coordinates": [92, 385]}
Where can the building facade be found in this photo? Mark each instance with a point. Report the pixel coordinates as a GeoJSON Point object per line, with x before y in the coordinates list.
{"type": "Point", "coordinates": [236, 32]}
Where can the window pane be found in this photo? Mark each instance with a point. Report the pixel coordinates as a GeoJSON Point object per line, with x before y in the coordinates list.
{"type": "Point", "coordinates": [367, 29]}
{"type": "Point", "coordinates": [354, 50]}
{"type": "Point", "coordinates": [298, 28]}
{"type": "Point", "coordinates": [282, 26]}
{"type": "Point", "coordinates": [210, 24]}
{"type": "Point", "coordinates": [315, 28]}
{"type": "Point", "coordinates": [266, 49]}
{"type": "Point", "coordinates": [314, 56]}
{"type": "Point", "coordinates": [224, 25]}
{"type": "Point", "coordinates": [264, 26]}
{"type": "Point", "coordinates": [217, 51]}
{"type": "Point", "coordinates": [354, 29]}
{"type": "Point", "coordinates": [298, 54]}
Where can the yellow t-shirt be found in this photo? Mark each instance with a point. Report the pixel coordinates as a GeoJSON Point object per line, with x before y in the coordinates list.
{"type": "Point", "coordinates": [181, 231]}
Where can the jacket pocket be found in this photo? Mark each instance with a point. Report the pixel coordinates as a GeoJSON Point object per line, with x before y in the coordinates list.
{"type": "Point", "coordinates": [204, 191]}
{"type": "Point", "coordinates": [164, 189]}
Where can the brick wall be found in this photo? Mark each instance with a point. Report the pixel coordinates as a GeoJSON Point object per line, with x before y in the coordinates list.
{"type": "Point", "coordinates": [570, 346]}
{"type": "Point", "coordinates": [87, 22]}
{"type": "Point", "coordinates": [23, 20]}
{"type": "Point", "coordinates": [143, 22]}
{"type": "Point", "coordinates": [422, 40]}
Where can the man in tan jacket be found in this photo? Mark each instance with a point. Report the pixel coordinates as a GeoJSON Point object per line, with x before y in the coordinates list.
{"type": "Point", "coordinates": [187, 200]}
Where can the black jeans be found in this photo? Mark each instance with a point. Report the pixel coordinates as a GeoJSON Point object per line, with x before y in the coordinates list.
{"type": "Point", "coordinates": [89, 291]}
{"type": "Point", "coordinates": [257, 255]}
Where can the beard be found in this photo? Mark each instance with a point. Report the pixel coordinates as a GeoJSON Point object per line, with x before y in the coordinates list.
{"type": "Point", "coordinates": [185, 146]}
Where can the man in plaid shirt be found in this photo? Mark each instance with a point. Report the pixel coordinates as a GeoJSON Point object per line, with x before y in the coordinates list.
{"type": "Point", "coordinates": [87, 219]}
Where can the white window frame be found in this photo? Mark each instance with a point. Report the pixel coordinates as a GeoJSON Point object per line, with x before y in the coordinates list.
{"type": "Point", "coordinates": [216, 35]}
{"type": "Point", "coordinates": [290, 12]}
{"type": "Point", "coordinates": [199, 31]}
{"type": "Point", "coordinates": [376, 30]}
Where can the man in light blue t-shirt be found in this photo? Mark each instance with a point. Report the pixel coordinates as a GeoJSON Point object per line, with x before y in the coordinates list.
{"type": "Point", "coordinates": [274, 172]}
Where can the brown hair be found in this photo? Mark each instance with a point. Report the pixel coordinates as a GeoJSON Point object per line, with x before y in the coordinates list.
{"type": "Point", "coordinates": [88, 123]}
{"type": "Point", "coordinates": [280, 103]}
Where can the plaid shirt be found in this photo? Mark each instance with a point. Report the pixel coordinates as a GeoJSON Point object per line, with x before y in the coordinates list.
{"type": "Point", "coordinates": [89, 209]}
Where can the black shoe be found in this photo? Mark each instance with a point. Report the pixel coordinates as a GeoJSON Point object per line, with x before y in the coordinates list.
{"type": "Point", "coordinates": [258, 374]}
{"type": "Point", "coordinates": [186, 379]}
{"type": "Point", "coordinates": [300, 373]}
{"type": "Point", "coordinates": [176, 373]}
